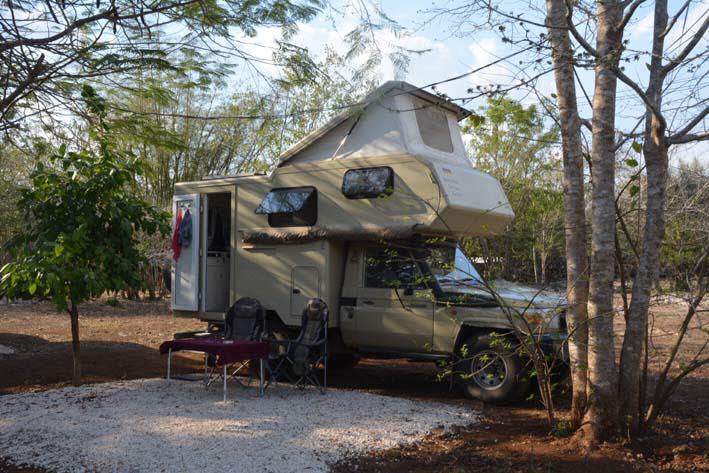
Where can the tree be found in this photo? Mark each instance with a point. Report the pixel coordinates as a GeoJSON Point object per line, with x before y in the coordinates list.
{"type": "Point", "coordinates": [48, 48]}
{"type": "Point", "coordinates": [574, 205]}
{"type": "Point", "coordinates": [677, 72]}
{"type": "Point", "coordinates": [82, 226]}
{"type": "Point", "coordinates": [601, 419]}
{"type": "Point", "coordinates": [655, 150]}
{"type": "Point", "coordinates": [657, 139]}
{"type": "Point", "coordinates": [187, 128]}
{"type": "Point", "coordinates": [512, 143]}
{"type": "Point", "coordinates": [685, 260]}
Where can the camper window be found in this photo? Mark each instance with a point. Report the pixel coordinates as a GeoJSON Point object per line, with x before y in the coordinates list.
{"type": "Point", "coordinates": [367, 183]}
{"type": "Point", "coordinates": [290, 207]}
{"type": "Point", "coordinates": [391, 268]}
{"type": "Point", "coordinates": [433, 126]}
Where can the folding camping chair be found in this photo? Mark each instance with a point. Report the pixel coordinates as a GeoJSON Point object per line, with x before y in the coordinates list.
{"type": "Point", "coordinates": [303, 355]}
{"type": "Point", "coordinates": [244, 321]}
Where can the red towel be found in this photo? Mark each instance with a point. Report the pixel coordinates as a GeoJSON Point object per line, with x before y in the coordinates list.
{"type": "Point", "coordinates": [176, 247]}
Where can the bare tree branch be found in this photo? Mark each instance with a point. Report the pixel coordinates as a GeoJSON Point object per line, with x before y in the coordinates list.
{"type": "Point", "coordinates": [688, 127]}
{"type": "Point", "coordinates": [690, 138]}
{"type": "Point", "coordinates": [629, 14]}
{"type": "Point", "coordinates": [687, 49]}
{"type": "Point", "coordinates": [675, 18]}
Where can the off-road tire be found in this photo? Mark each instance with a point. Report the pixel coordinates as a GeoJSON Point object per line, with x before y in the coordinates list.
{"type": "Point", "coordinates": [513, 388]}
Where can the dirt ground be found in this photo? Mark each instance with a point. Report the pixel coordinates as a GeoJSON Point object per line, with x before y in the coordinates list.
{"type": "Point", "coordinates": [121, 343]}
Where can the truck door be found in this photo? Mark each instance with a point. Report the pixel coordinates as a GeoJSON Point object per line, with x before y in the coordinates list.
{"type": "Point", "coordinates": [305, 284]}
{"type": "Point", "coordinates": [394, 310]}
{"type": "Point", "coordinates": [185, 269]}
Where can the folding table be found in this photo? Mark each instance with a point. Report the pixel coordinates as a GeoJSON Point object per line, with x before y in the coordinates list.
{"type": "Point", "coordinates": [226, 352]}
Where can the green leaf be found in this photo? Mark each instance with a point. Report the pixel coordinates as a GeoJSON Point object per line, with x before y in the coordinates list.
{"type": "Point", "coordinates": [58, 250]}
{"type": "Point", "coordinates": [637, 147]}
{"type": "Point", "coordinates": [476, 120]}
{"type": "Point", "coordinates": [632, 162]}
{"type": "Point", "coordinates": [32, 288]}
{"type": "Point", "coordinates": [634, 190]}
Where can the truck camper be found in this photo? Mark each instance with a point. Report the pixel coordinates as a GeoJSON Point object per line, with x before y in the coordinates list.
{"type": "Point", "coordinates": [364, 213]}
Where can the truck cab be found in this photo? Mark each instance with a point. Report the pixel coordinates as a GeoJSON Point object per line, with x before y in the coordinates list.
{"type": "Point", "coordinates": [426, 301]}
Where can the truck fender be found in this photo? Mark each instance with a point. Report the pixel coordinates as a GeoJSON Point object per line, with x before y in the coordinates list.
{"type": "Point", "coordinates": [466, 329]}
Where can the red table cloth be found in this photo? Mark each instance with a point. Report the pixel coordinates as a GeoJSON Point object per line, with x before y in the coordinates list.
{"type": "Point", "coordinates": [227, 351]}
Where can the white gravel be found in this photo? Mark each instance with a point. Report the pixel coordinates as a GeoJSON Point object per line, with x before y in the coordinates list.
{"type": "Point", "coordinates": [175, 426]}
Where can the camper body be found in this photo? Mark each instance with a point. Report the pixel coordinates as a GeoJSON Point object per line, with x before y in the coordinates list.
{"type": "Point", "coordinates": [389, 176]}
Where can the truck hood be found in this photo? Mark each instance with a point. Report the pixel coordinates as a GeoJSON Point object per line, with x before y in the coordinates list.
{"type": "Point", "coordinates": [521, 295]}
{"type": "Point", "coordinates": [516, 295]}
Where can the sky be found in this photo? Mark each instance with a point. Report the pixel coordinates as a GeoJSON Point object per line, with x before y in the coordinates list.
{"type": "Point", "coordinates": [452, 51]}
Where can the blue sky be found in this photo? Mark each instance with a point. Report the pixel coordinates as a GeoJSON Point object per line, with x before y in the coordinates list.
{"type": "Point", "coordinates": [450, 54]}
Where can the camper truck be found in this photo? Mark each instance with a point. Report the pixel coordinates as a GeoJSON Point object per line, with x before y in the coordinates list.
{"type": "Point", "coordinates": [364, 213]}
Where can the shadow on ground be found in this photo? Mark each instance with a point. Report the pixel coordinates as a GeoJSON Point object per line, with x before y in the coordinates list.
{"type": "Point", "coordinates": [39, 364]}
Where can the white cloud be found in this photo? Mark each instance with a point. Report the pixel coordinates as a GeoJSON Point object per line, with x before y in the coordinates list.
{"type": "Point", "coordinates": [485, 52]}
{"type": "Point", "coordinates": [689, 152]}
{"type": "Point", "coordinates": [643, 26]}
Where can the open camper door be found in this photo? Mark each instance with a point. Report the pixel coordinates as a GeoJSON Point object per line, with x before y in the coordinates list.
{"type": "Point", "coordinates": [185, 248]}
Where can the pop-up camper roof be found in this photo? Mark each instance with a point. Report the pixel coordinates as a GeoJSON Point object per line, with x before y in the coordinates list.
{"type": "Point", "coordinates": [377, 125]}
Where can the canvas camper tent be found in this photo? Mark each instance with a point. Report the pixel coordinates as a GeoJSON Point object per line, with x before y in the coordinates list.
{"type": "Point", "coordinates": [391, 167]}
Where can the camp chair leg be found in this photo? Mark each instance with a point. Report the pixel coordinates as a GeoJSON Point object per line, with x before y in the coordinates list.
{"type": "Point", "coordinates": [261, 376]}
{"type": "Point", "coordinates": [169, 358]}
{"type": "Point", "coordinates": [225, 384]}
{"type": "Point", "coordinates": [324, 379]}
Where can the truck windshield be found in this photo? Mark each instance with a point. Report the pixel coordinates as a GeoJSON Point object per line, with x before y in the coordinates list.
{"type": "Point", "coordinates": [451, 267]}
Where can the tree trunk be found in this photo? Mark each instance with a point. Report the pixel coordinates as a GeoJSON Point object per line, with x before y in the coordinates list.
{"type": "Point", "coordinates": [600, 421]}
{"type": "Point", "coordinates": [655, 152]}
{"type": "Point", "coordinates": [574, 206]}
{"type": "Point", "coordinates": [75, 348]}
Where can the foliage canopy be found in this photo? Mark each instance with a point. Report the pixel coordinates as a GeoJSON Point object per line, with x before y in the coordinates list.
{"type": "Point", "coordinates": [82, 224]}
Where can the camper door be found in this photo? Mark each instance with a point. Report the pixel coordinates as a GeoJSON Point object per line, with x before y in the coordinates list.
{"type": "Point", "coordinates": [185, 252]}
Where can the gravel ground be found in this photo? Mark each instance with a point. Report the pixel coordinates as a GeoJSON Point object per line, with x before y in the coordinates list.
{"type": "Point", "coordinates": [176, 426]}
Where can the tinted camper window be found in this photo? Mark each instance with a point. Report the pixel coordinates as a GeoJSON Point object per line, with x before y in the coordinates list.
{"type": "Point", "coordinates": [290, 207]}
{"type": "Point", "coordinates": [433, 126]}
{"type": "Point", "coordinates": [367, 183]}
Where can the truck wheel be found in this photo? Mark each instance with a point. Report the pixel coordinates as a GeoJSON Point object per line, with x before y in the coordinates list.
{"type": "Point", "coordinates": [491, 373]}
